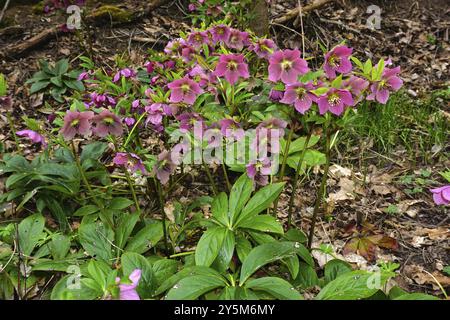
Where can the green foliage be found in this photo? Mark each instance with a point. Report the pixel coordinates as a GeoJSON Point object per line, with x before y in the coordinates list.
{"type": "Point", "coordinates": [55, 79]}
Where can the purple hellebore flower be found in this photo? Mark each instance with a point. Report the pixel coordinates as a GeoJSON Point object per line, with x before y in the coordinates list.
{"type": "Point", "coordinates": [231, 128]}
{"type": "Point", "coordinates": [127, 73]}
{"type": "Point", "coordinates": [197, 39]}
{"type": "Point", "coordinates": [102, 99]}
{"type": "Point", "coordinates": [83, 76]}
{"type": "Point", "coordinates": [269, 132]}
{"type": "Point", "coordinates": [198, 74]}
{"type": "Point", "coordinates": [237, 39]}
{"type": "Point", "coordinates": [130, 161]}
{"type": "Point", "coordinates": [128, 291]}
{"type": "Point", "coordinates": [173, 47]}
{"type": "Point", "coordinates": [263, 48]}
{"type": "Point", "coordinates": [184, 90]}
{"type": "Point", "coordinates": [389, 82]}
{"type": "Point", "coordinates": [129, 121]}
{"type": "Point", "coordinates": [356, 86]}
{"type": "Point", "coordinates": [187, 52]}
{"type": "Point", "coordinates": [76, 122]}
{"type": "Point", "coordinates": [335, 101]}
{"type": "Point", "coordinates": [164, 167]}
{"type": "Point", "coordinates": [6, 103]}
{"type": "Point", "coordinates": [188, 120]}
{"type": "Point", "coordinates": [107, 123]}
{"type": "Point", "coordinates": [259, 171]}
{"type": "Point", "coordinates": [441, 196]}
{"type": "Point", "coordinates": [286, 65]}
{"type": "Point", "coordinates": [156, 112]}
{"type": "Point", "coordinates": [337, 60]}
{"type": "Point", "coordinates": [232, 66]}
{"type": "Point", "coordinates": [192, 7]}
{"type": "Point", "coordinates": [150, 66]}
{"type": "Point", "coordinates": [220, 33]}
{"type": "Point", "coordinates": [276, 95]}
{"type": "Point", "coordinates": [300, 96]}
{"type": "Point", "coordinates": [33, 136]}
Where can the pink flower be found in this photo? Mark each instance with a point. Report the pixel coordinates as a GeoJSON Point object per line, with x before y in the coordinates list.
{"type": "Point", "coordinates": [197, 39]}
{"type": "Point", "coordinates": [232, 66]}
{"type": "Point", "coordinates": [33, 136]}
{"type": "Point", "coordinates": [286, 65]}
{"type": "Point", "coordinates": [150, 66]}
{"type": "Point", "coordinates": [259, 171]}
{"type": "Point", "coordinates": [220, 33]}
{"type": "Point", "coordinates": [102, 100]}
{"type": "Point", "coordinates": [231, 128]}
{"type": "Point", "coordinates": [263, 48]}
{"type": "Point", "coordinates": [188, 120]}
{"type": "Point", "coordinates": [184, 90]}
{"type": "Point", "coordinates": [268, 134]}
{"type": "Point", "coordinates": [164, 167]}
{"type": "Point", "coordinates": [128, 291]}
{"type": "Point", "coordinates": [130, 161]}
{"type": "Point", "coordinates": [237, 39]}
{"type": "Point", "coordinates": [107, 123]}
{"type": "Point", "coordinates": [389, 82]}
{"type": "Point", "coordinates": [129, 121]}
{"type": "Point", "coordinates": [76, 122]}
{"type": "Point", "coordinates": [441, 196]}
{"type": "Point", "coordinates": [335, 101]}
{"type": "Point", "coordinates": [191, 7]}
{"type": "Point", "coordinates": [337, 60]}
{"type": "Point", "coordinates": [356, 86]}
{"type": "Point", "coordinates": [300, 96]}
{"type": "Point", "coordinates": [156, 112]}
{"type": "Point", "coordinates": [127, 73]}
{"type": "Point", "coordinates": [276, 95]}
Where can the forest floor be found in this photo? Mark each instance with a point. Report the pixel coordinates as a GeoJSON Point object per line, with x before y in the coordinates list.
{"type": "Point", "coordinates": [387, 186]}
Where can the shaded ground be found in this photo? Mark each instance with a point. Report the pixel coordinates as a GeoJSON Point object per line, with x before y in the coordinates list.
{"type": "Point", "coordinates": [413, 33]}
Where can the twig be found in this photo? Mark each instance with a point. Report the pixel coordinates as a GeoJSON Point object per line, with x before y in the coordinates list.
{"type": "Point", "coordinates": [4, 10]}
{"type": "Point", "coordinates": [292, 14]}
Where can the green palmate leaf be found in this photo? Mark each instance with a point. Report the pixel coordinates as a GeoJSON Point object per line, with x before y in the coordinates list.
{"type": "Point", "coordinates": [86, 210]}
{"type": "Point", "coordinates": [96, 239]}
{"type": "Point", "coordinates": [38, 86]}
{"type": "Point", "coordinates": [353, 285]}
{"type": "Point", "coordinates": [357, 62]}
{"type": "Point", "coordinates": [307, 277]}
{"type": "Point", "coordinates": [186, 272]}
{"type": "Point", "coordinates": [147, 284]}
{"type": "Point", "coordinates": [163, 269]}
{"type": "Point", "coordinates": [93, 151]}
{"type": "Point", "coordinates": [335, 268]}
{"type": "Point", "coordinates": [120, 203]}
{"type": "Point", "coordinates": [295, 235]}
{"type": "Point", "coordinates": [191, 288]}
{"type": "Point", "coordinates": [264, 223]}
{"type": "Point", "coordinates": [299, 144]}
{"type": "Point", "coordinates": [243, 247]}
{"type": "Point", "coordinates": [99, 271]}
{"type": "Point", "coordinates": [367, 68]}
{"type": "Point", "coordinates": [30, 231]}
{"type": "Point", "coordinates": [225, 254]}
{"type": "Point", "coordinates": [14, 179]}
{"type": "Point", "coordinates": [277, 287]}
{"type": "Point", "coordinates": [146, 238]}
{"type": "Point", "coordinates": [337, 82]}
{"type": "Point", "coordinates": [125, 227]}
{"type": "Point", "coordinates": [74, 84]}
{"type": "Point", "coordinates": [240, 193]}
{"type": "Point", "coordinates": [59, 246]}
{"type": "Point", "coordinates": [293, 264]}
{"type": "Point", "coordinates": [209, 246]}
{"type": "Point", "coordinates": [61, 66]}
{"type": "Point", "coordinates": [261, 201]}
{"type": "Point", "coordinates": [416, 296]}
{"type": "Point", "coordinates": [57, 81]}
{"type": "Point", "coordinates": [263, 255]}
{"type": "Point", "coordinates": [320, 91]}
{"type": "Point", "coordinates": [219, 208]}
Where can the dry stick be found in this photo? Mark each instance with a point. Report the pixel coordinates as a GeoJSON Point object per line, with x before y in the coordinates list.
{"type": "Point", "coordinates": [297, 174]}
{"type": "Point", "coordinates": [292, 14]}
{"type": "Point", "coordinates": [301, 26]}
{"type": "Point", "coordinates": [4, 10]}
{"type": "Point", "coordinates": [322, 187]}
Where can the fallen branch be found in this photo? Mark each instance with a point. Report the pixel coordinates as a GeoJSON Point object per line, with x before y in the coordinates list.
{"type": "Point", "coordinates": [292, 14]}
{"type": "Point", "coordinates": [46, 35]}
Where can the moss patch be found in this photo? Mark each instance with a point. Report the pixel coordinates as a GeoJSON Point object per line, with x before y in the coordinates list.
{"type": "Point", "coordinates": [111, 13]}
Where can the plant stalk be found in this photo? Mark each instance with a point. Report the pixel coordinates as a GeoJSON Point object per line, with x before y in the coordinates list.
{"type": "Point", "coordinates": [322, 187]}
{"type": "Point", "coordinates": [208, 173]}
{"type": "Point", "coordinates": [161, 204]}
{"type": "Point", "coordinates": [294, 182]}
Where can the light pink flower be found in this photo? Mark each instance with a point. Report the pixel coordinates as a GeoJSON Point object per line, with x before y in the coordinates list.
{"type": "Point", "coordinates": [232, 66]}
{"type": "Point", "coordinates": [33, 136]}
{"type": "Point", "coordinates": [184, 90]}
{"type": "Point", "coordinates": [300, 96]}
{"type": "Point", "coordinates": [335, 101]}
{"type": "Point", "coordinates": [441, 196]}
{"type": "Point", "coordinates": [128, 291]}
{"type": "Point", "coordinates": [107, 123]}
{"type": "Point", "coordinates": [286, 65]}
{"type": "Point", "coordinates": [76, 122]}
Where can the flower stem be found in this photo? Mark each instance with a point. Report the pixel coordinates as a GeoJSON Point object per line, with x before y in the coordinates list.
{"type": "Point", "coordinates": [13, 130]}
{"type": "Point", "coordinates": [208, 173]}
{"type": "Point", "coordinates": [224, 168]}
{"type": "Point", "coordinates": [283, 166]}
{"type": "Point", "coordinates": [88, 186]}
{"type": "Point", "coordinates": [161, 204]}
{"type": "Point", "coordinates": [294, 182]}
{"type": "Point", "coordinates": [322, 187]}
{"type": "Point", "coordinates": [130, 183]}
